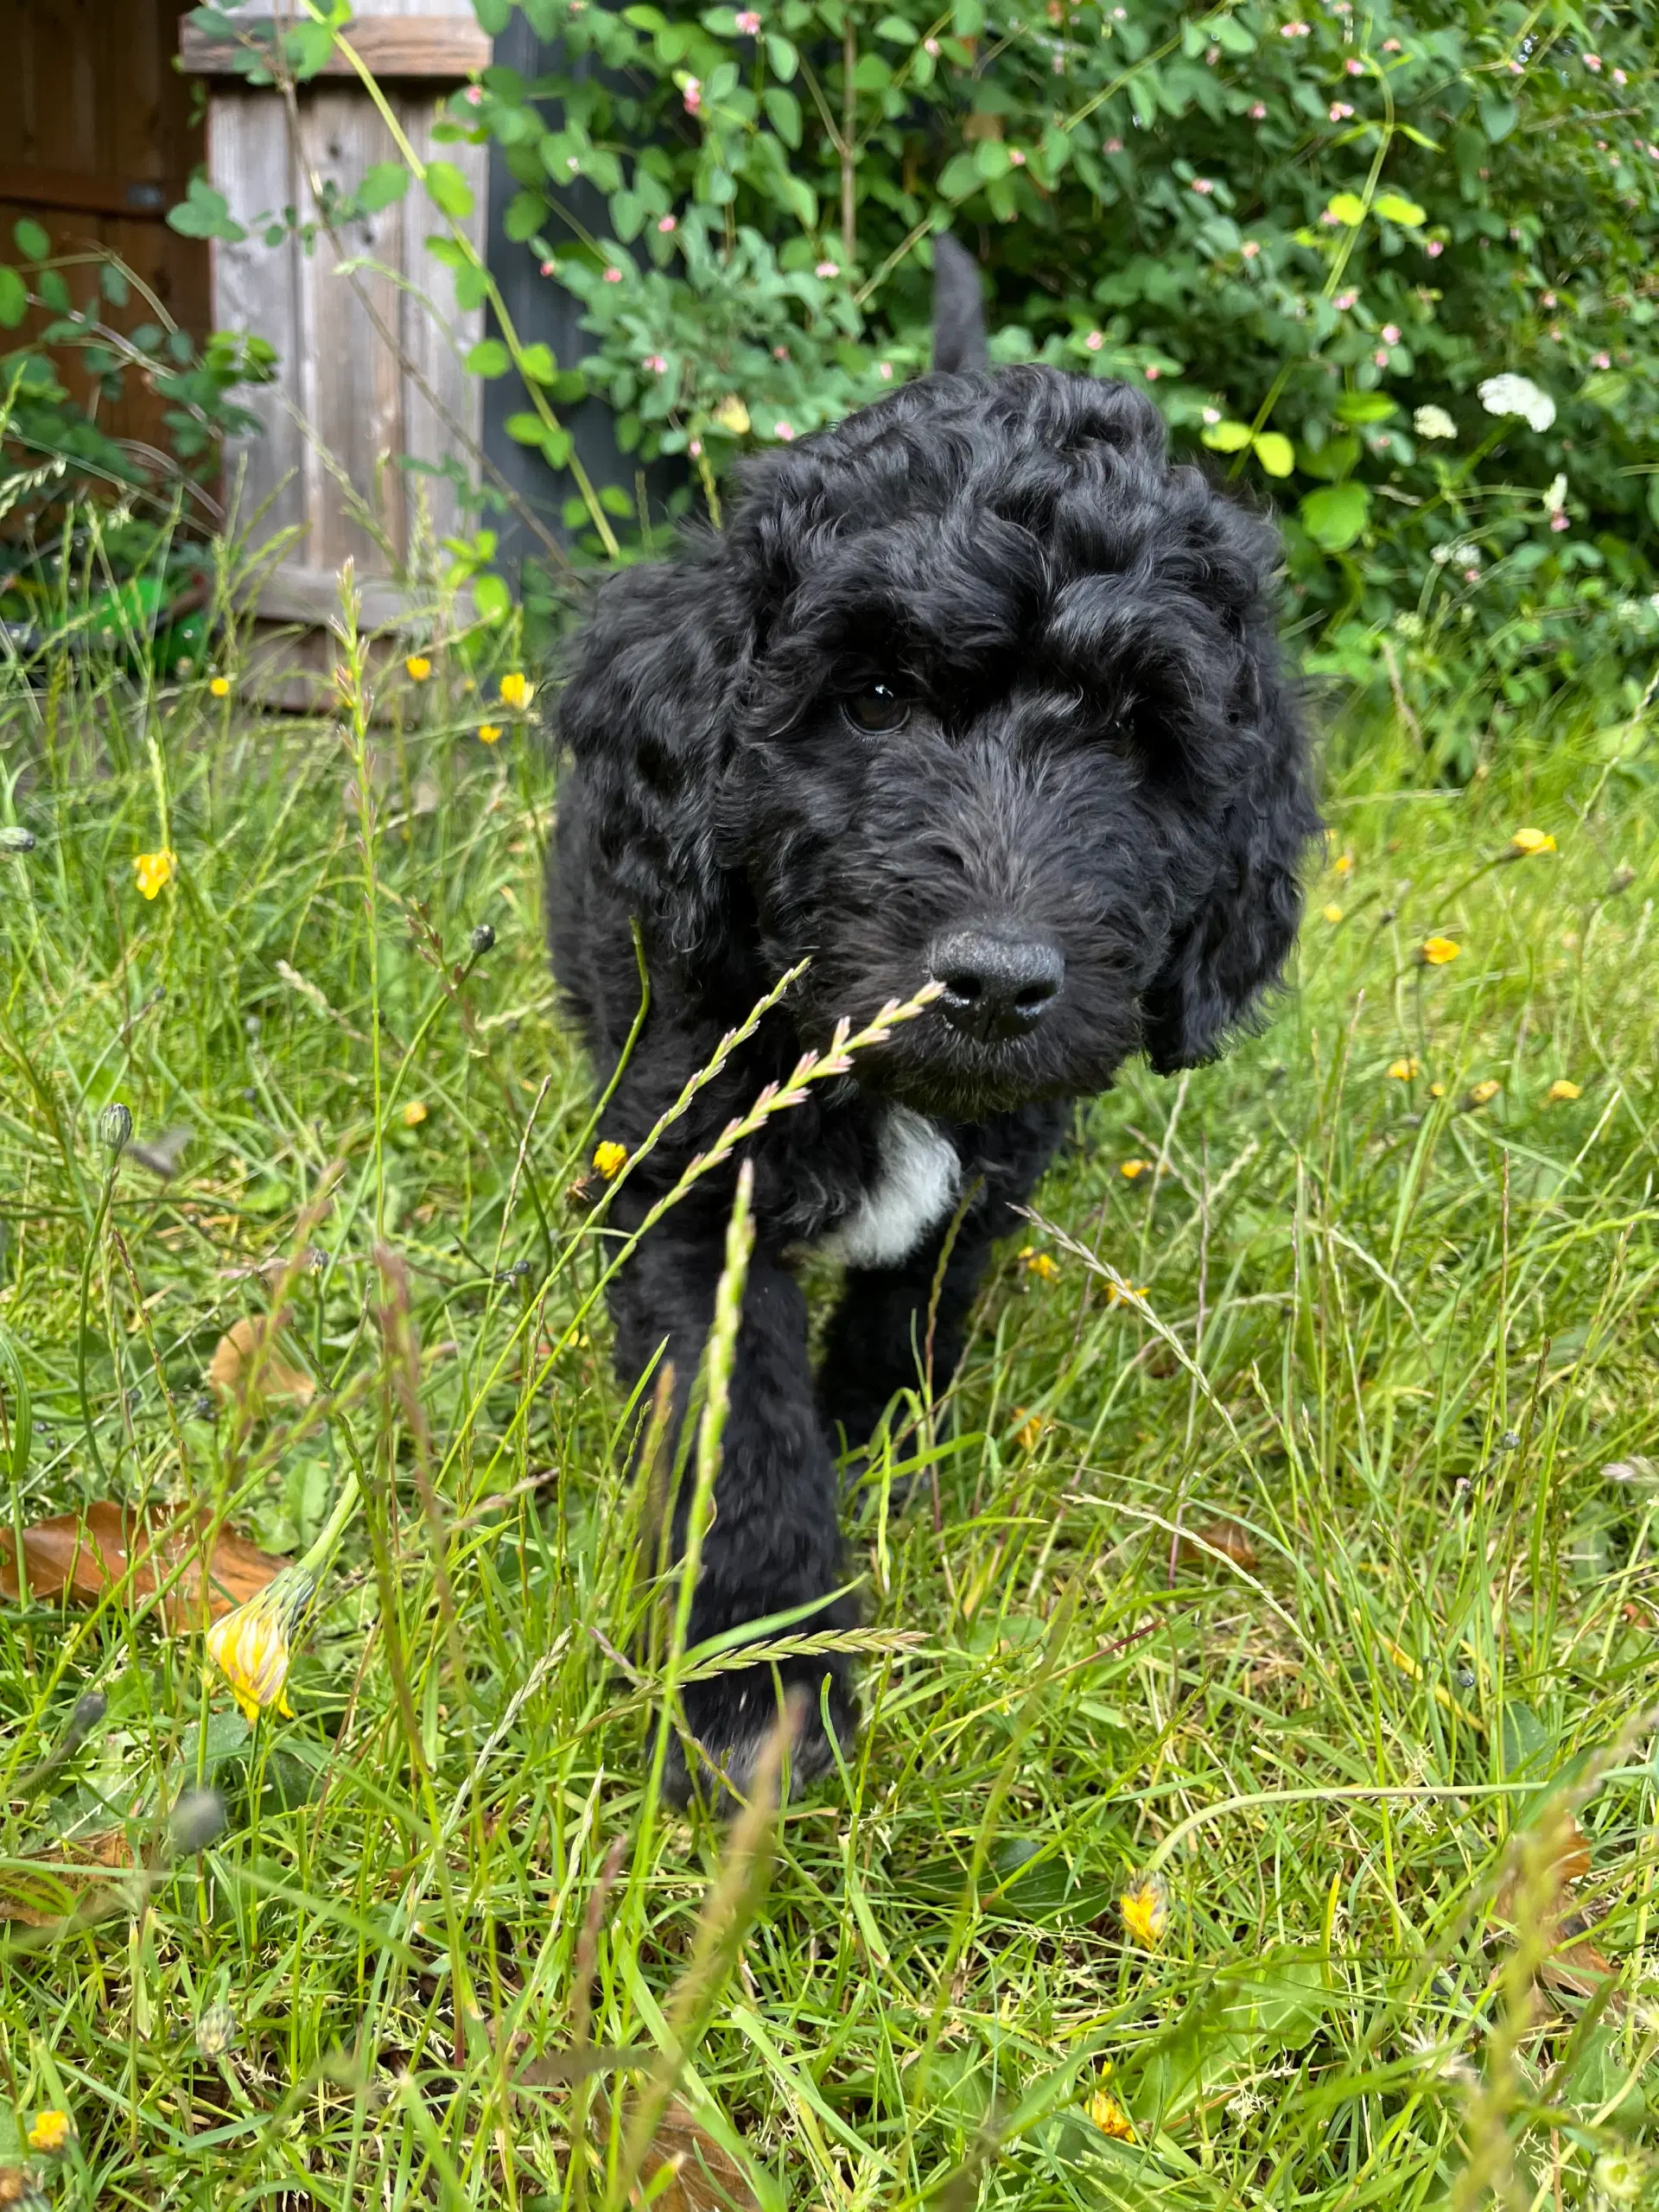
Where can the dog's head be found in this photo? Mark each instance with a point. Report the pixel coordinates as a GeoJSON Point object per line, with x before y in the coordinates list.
{"type": "Point", "coordinates": [974, 686]}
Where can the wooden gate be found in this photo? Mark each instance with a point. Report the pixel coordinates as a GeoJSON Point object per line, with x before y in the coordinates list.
{"type": "Point", "coordinates": [370, 356]}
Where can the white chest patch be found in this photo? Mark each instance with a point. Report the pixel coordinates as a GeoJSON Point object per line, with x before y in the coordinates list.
{"type": "Point", "coordinates": [919, 1177]}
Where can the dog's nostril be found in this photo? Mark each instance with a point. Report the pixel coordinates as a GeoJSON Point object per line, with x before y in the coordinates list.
{"type": "Point", "coordinates": [1035, 996]}
{"type": "Point", "coordinates": [996, 984]}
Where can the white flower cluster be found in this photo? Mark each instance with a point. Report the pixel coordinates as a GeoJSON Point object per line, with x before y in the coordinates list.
{"type": "Point", "coordinates": [1513, 395]}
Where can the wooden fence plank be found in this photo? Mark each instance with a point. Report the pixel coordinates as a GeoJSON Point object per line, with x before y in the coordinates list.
{"type": "Point", "coordinates": [255, 289]}
{"type": "Point", "coordinates": [392, 47]}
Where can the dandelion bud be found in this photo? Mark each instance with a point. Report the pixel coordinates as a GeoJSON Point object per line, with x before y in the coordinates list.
{"type": "Point", "coordinates": [483, 939]}
{"type": "Point", "coordinates": [216, 2030]}
{"type": "Point", "coordinates": [16, 840]}
{"type": "Point", "coordinates": [199, 1819]}
{"type": "Point", "coordinates": [114, 1128]}
{"type": "Point", "coordinates": [89, 1712]}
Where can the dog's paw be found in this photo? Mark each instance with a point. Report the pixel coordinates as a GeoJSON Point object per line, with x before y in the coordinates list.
{"type": "Point", "coordinates": [733, 1719]}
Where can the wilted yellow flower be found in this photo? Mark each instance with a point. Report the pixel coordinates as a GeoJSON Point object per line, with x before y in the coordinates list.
{"type": "Point", "coordinates": [153, 870]}
{"type": "Point", "coordinates": [1130, 1168]}
{"type": "Point", "coordinates": [732, 415]}
{"type": "Point", "coordinates": [1343, 864]}
{"type": "Point", "coordinates": [1332, 912]}
{"type": "Point", "coordinates": [1532, 841]}
{"type": "Point", "coordinates": [49, 2130]}
{"type": "Point", "coordinates": [488, 733]}
{"type": "Point", "coordinates": [414, 1112]}
{"type": "Point", "coordinates": [419, 668]}
{"type": "Point", "coordinates": [220, 687]}
{"type": "Point", "coordinates": [1482, 1094]}
{"type": "Point", "coordinates": [1403, 1071]}
{"type": "Point", "coordinates": [1435, 951]}
{"type": "Point", "coordinates": [517, 691]}
{"type": "Point", "coordinates": [1038, 1264]}
{"type": "Point", "coordinates": [1144, 1909]}
{"type": "Point", "coordinates": [1109, 2117]}
{"type": "Point", "coordinates": [1562, 1089]}
{"type": "Point", "coordinates": [251, 1646]}
{"type": "Point", "coordinates": [610, 1159]}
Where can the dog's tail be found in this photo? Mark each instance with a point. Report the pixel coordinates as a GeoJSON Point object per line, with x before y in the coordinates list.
{"type": "Point", "coordinates": [958, 308]}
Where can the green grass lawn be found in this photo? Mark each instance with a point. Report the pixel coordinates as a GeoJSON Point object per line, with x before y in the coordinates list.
{"type": "Point", "coordinates": [1303, 1597]}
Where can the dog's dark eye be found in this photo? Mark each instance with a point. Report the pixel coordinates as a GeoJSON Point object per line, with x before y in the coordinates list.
{"type": "Point", "coordinates": [878, 711]}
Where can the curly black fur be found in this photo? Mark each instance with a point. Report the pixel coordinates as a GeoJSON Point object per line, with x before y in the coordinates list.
{"type": "Point", "coordinates": [1101, 765]}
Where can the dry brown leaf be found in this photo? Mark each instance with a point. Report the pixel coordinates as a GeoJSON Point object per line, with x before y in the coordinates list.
{"type": "Point", "coordinates": [49, 1888]}
{"type": "Point", "coordinates": [705, 2178]}
{"type": "Point", "coordinates": [245, 1360]}
{"type": "Point", "coordinates": [82, 1554]}
{"type": "Point", "coordinates": [1198, 1546]}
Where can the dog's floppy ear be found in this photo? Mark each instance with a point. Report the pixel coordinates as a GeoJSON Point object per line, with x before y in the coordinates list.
{"type": "Point", "coordinates": [1234, 947]}
{"type": "Point", "coordinates": [658, 677]}
{"type": "Point", "coordinates": [958, 308]}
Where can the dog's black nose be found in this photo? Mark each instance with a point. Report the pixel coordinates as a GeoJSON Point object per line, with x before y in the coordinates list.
{"type": "Point", "coordinates": [996, 986]}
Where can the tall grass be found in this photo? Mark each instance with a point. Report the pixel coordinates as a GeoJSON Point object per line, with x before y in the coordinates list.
{"type": "Point", "coordinates": [1285, 1548]}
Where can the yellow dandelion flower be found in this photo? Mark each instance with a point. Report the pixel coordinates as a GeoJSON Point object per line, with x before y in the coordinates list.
{"type": "Point", "coordinates": [154, 870]}
{"type": "Point", "coordinates": [1040, 1264]}
{"type": "Point", "coordinates": [414, 1112]}
{"type": "Point", "coordinates": [1129, 1169]}
{"type": "Point", "coordinates": [49, 2130]}
{"type": "Point", "coordinates": [1561, 1088]}
{"type": "Point", "coordinates": [1028, 1434]}
{"type": "Point", "coordinates": [1109, 2117]}
{"type": "Point", "coordinates": [251, 1647]}
{"type": "Point", "coordinates": [220, 687]}
{"type": "Point", "coordinates": [1343, 864]}
{"type": "Point", "coordinates": [1435, 951]}
{"type": "Point", "coordinates": [488, 733]}
{"type": "Point", "coordinates": [1482, 1094]}
{"type": "Point", "coordinates": [1144, 1910]}
{"type": "Point", "coordinates": [419, 668]}
{"type": "Point", "coordinates": [1332, 912]}
{"type": "Point", "coordinates": [516, 691]}
{"type": "Point", "coordinates": [610, 1159]}
{"type": "Point", "coordinates": [1437, 1090]}
{"type": "Point", "coordinates": [1403, 1071]}
{"type": "Point", "coordinates": [1526, 841]}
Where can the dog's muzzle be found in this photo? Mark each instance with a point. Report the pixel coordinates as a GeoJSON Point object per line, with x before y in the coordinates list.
{"type": "Point", "coordinates": [997, 984]}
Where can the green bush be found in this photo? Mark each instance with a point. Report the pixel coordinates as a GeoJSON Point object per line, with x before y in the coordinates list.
{"type": "Point", "coordinates": [1312, 238]}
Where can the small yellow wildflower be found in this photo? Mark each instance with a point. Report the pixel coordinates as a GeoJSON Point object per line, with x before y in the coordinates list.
{"type": "Point", "coordinates": [1109, 2117]}
{"type": "Point", "coordinates": [1144, 1909]}
{"type": "Point", "coordinates": [1562, 1089]}
{"type": "Point", "coordinates": [732, 415]}
{"type": "Point", "coordinates": [1435, 951]}
{"type": "Point", "coordinates": [1332, 912]}
{"type": "Point", "coordinates": [250, 1647]}
{"type": "Point", "coordinates": [414, 1112]}
{"type": "Point", "coordinates": [153, 870]}
{"type": "Point", "coordinates": [610, 1159]}
{"type": "Point", "coordinates": [49, 2130]}
{"type": "Point", "coordinates": [1525, 842]}
{"type": "Point", "coordinates": [516, 691]}
{"type": "Point", "coordinates": [419, 668]}
{"type": "Point", "coordinates": [1437, 1090]}
{"type": "Point", "coordinates": [1482, 1094]}
{"type": "Point", "coordinates": [1119, 1294]}
{"type": "Point", "coordinates": [1029, 1433]}
{"type": "Point", "coordinates": [1403, 1070]}
{"type": "Point", "coordinates": [1343, 864]}
{"type": "Point", "coordinates": [1040, 1264]}
{"type": "Point", "coordinates": [220, 687]}
{"type": "Point", "coordinates": [488, 733]}
{"type": "Point", "coordinates": [1129, 1169]}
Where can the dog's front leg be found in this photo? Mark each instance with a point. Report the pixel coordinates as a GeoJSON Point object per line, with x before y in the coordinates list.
{"type": "Point", "coordinates": [774, 1543]}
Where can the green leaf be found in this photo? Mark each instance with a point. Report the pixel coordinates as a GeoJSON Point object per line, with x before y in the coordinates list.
{"type": "Point", "coordinates": [968, 18]}
{"type": "Point", "coordinates": [489, 358]}
{"type": "Point", "coordinates": [32, 241]}
{"type": "Point", "coordinates": [494, 15]}
{"type": "Point", "coordinates": [1605, 388]}
{"type": "Point", "coordinates": [896, 29]}
{"type": "Point", "coordinates": [781, 57]}
{"type": "Point", "coordinates": [382, 187]}
{"type": "Point", "coordinates": [1228, 438]}
{"type": "Point", "coordinates": [13, 299]}
{"type": "Point", "coordinates": [1498, 116]}
{"type": "Point", "coordinates": [1365, 407]}
{"type": "Point", "coordinates": [491, 596]}
{"type": "Point", "coordinates": [1347, 207]}
{"type": "Point", "coordinates": [627, 216]}
{"type": "Point", "coordinates": [959, 178]}
{"type": "Point", "coordinates": [536, 362]}
{"type": "Point", "coordinates": [784, 113]}
{"type": "Point", "coordinates": [1334, 516]}
{"type": "Point", "coordinates": [448, 190]}
{"type": "Point", "coordinates": [524, 429]}
{"type": "Point", "coordinates": [1275, 452]}
{"type": "Point", "coordinates": [205, 214]}
{"type": "Point", "coordinates": [1398, 209]}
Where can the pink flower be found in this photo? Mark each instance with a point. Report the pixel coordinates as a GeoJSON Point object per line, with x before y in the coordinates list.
{"type": "Point", "coordinates": [1356, 67]}
{"type": "Point", "coordinates": [667, 223]}
{"type": "Point", "coordinates": [1619, 77]}
{"type": "Point", "coordinates": [930, 46]}
{"type": "Point", "coordinates": [1212, 413]}
{"type": "Point", "coordinates": [1435, 248]}
{"type": "Point", "coordinates": [693, 94]}
{"type": "Point", "coordinates": [1297, 30]}
{"type": "Point", "coordinates": [1546, 299]}
{"type": "Point", "coordinates": [1472, 575]}
{"type": "Point", "coordinates": [1391, 334]}
{"type": "Point", "coordinates": [1555, 333]}
{"type": "Point", "coordinates": [1380, 357]}
{"type": "Point", "coordinates": [696, 448]}
{"type": "Point", "coordinates": [1559, 521]}
{"type": "Point", "coordinates": [473, 96]}
{"type": "Point", "coordinates": [828, 268]}
{"type": "Point", "coordinates": [1340, 110]}
{"type": "Point", "coordinates": [1094, 341]}
{"type": "Point", "coordinates": [1258, 113]}
{"type": "Point", "coordinates": [612, 275]}
{"type": "Point", "coordinates": [1601, 360]}
{"type": "Point", "coordinates": [1203, 187]}
{"type": "Point", "coordinates": [1593, 62]}
{"type": "Point", "coordinates": [1153, 372]}
{"type": "Point", "coordinates": [784, 431]}
{"type": "Point", "coordinates": [657, 365]}
{"type": "Point", "coordinates": [1391, 46]}
{"type": "Point", "coordinates": [1515, 68]}
{"type": "Point", "coordinates": [548, 267]}
{"type": "Point", "coordinates": [1115, 146]}
{"type": "Point", "coordinates": [1251, 248]}
{"type": "Point", "coordinates": [780, 352]}
{"type": "Point", "coordinates": [748, 21]}
{"type": "Point", "coordinates": [884, 369]}
{"type": "Point", "coordinates": [1016, 158]}
{"type": "Point", "coordinates": [1211, 55]}
{"type": "Point", "coordinates": [1330, 220]}
{"type": "Point", "coordinates": [1343, 300]}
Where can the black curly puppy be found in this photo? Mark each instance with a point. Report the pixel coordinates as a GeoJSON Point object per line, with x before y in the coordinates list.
{"type": "Point", "coordinates": [975, 686]}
